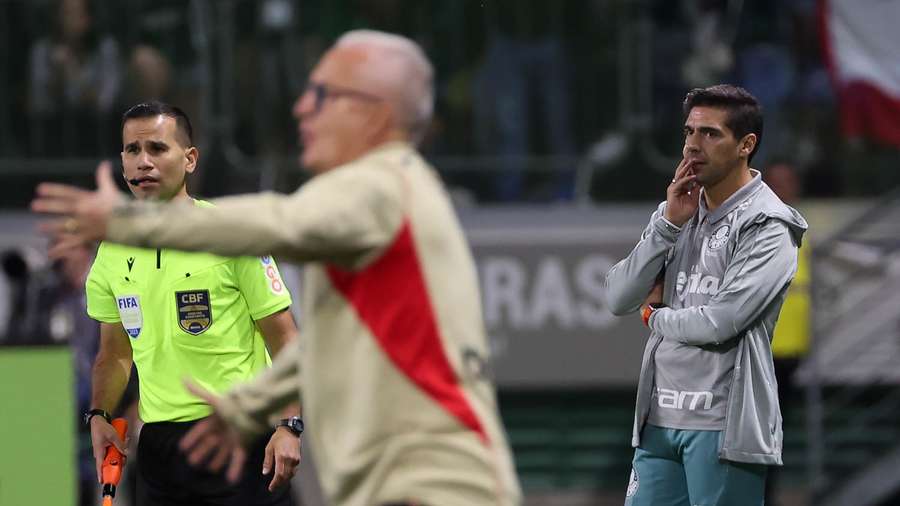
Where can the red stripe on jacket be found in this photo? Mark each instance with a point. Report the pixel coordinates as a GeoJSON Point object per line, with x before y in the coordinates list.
{"type": "Point", "coordinates": [391, 299]}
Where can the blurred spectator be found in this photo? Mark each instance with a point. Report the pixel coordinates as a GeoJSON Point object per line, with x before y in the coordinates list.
{"type": "Point", "coordinates": [767, 71]}
{"type": "Point", "coordinates": [27, 276]}
{"type": "Point", "coordinates": [75, 80]}
{"type": "Point", "coordinates": [68, 322]}
{"type": "Point", "coordinates": [149, 75]}
{"type": "Point", "coordinates": [163, 53]}
{"type": "Point", "coordinates": [270, 65]}
{"type": "Point", "coordinates": [712, 56]}
{"type": "Point", "coordinates": [525, 65]}
{"type": "Point", "coordinates": [48, 306]}
{"type": "Point", "coordinates": [514, 79]}
{"type": "Point", "coordinates": [13, 65]}
{"type": "Point", "coordinates": [792, 332]}
{"type": "Point", "coordinates": [766, 67]}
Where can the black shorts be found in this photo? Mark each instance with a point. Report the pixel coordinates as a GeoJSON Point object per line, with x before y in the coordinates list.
{"type": "Point", "coordinates": [166, 479]}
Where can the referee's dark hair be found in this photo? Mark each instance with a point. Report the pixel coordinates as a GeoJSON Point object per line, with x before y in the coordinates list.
{"type": "Point", "coordinates": [745, 115]}
{"type": "Point", "coordinates": [156, 108]}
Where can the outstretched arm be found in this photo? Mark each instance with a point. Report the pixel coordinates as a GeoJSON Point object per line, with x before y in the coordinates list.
{"type": "Point", "coordinates": [242, 414]}
{"type": "Point", "coordinates": [341, 216]}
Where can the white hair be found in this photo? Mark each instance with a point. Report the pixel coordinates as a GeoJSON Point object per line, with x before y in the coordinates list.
{"type": "Point", "coordinates": [403, 66]}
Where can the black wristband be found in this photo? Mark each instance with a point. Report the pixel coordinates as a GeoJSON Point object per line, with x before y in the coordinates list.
{"type": "Point", "coordinates": [94, 412]}
{"type": "Point", "coordinates": [293, 424]}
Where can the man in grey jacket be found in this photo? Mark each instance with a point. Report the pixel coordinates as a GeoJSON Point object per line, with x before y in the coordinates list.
{"type": "Point", "coordinates": [709, 276]}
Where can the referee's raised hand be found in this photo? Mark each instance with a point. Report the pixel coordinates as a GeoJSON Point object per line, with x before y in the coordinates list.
{"type": "Point", "coordinates": [682, 195]}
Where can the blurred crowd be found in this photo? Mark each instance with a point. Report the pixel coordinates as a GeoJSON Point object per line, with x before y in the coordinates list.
{"type": "Point", "coordinates": [537, 101]}
{"type": "Point", "coordinates": [532, 95]}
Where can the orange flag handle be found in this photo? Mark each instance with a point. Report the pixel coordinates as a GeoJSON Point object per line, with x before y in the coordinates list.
{"type": "Point", "coordinates": [113, 463]}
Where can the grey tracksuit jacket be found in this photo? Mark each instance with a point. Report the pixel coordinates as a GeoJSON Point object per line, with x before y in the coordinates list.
{"type": "Point", "coordinates": [726, 275]}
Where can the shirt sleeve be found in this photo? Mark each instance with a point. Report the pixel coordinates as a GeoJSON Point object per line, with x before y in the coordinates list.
{"type": "Point", "coordinates": [759, 273]}
{"type": "Point", "coordinates": [101, 303]}
{"type": "Point", "coordinates": [250, 407]}
{"type": "Point", "coordinates": [344, 216]}
{"type": "Point", "coordinates": [629, 281]}
{"type": "Point", "coordinates": [261, 285]}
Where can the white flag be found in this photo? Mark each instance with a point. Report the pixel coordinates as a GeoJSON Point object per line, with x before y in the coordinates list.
{"type": "Point", "coordinates": [862, 45]}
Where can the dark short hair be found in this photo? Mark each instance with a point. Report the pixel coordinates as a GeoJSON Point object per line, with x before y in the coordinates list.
{"type": "Point", "coordinates": [155, 108]}
{"type": "Point", "coordinates": [744, 112]}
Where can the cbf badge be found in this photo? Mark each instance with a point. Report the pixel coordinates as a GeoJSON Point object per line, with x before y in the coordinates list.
{"type": "Point", "coordinates": [130, 314]}
{"type": "Point", "coordinates": [194, 311]}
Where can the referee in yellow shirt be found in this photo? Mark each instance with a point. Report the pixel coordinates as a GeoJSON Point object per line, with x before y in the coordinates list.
{"type": "Point", "coordinates": [177, 314]}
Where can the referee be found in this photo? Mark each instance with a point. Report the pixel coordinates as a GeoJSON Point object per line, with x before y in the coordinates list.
{"type": "Point", "coordinates": [177, 314]}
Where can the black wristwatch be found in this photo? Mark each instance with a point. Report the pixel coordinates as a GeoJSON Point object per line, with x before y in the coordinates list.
{"type": "Point", "coordinates": [93, 412]}
{"type": "Point", "coordinates": [294, 424]}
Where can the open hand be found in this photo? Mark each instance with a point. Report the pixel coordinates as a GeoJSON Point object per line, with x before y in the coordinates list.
{"type": "Point", "coordinates": [82, 215]}
{"type": "Point", "coordinates": [212, 440]}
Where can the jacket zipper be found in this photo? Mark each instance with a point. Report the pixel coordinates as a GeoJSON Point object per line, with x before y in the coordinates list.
{"type": "Point", "coordinates": [158, 255]}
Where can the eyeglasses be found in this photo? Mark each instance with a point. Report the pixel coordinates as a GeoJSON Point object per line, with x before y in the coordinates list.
{"type": "Point", "coordinates": [322, 92]}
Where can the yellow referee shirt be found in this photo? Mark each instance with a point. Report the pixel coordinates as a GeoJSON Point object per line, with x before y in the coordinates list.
{"type": "Point", "coordinates": [186, 314]}
{"type": "Point", "coordinates": [791, 335]}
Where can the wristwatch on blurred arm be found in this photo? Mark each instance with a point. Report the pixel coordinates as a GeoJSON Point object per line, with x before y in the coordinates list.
{"type": "Point", "coordinates": [293, 424]}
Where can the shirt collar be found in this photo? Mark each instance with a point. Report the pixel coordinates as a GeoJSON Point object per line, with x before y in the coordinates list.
{"type": "Point", "coordinates": [731, 202]}
{"type": "Point", "coordinates": [385, 150]}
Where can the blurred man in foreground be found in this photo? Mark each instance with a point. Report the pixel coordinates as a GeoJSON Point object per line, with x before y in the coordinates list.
{"type": "Point", "coordinates": [392, 366]}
